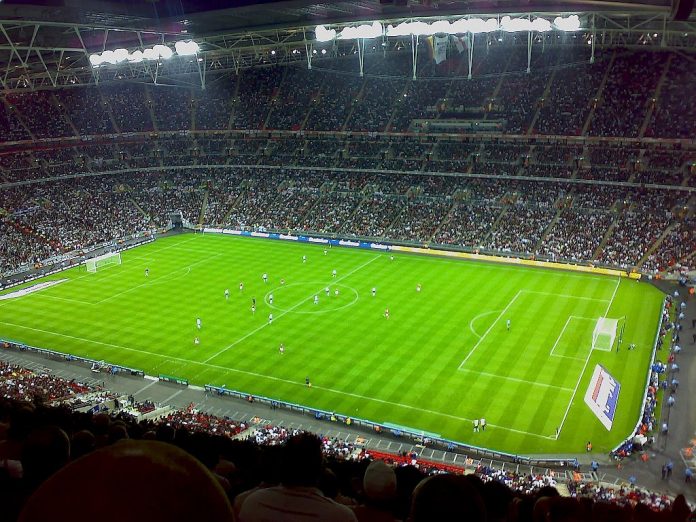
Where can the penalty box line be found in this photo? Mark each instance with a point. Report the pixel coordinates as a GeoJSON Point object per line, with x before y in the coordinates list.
{"type": "Point", "coordinates": [277, 379]}
{"type": "Point", "coordinates": [570, 318]}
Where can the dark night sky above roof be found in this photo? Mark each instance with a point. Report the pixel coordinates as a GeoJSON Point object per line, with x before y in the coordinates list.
{"type": "Point", "coordinates": [204, 17]}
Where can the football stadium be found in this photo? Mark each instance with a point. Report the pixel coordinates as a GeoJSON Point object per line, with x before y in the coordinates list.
{"type": "Point", "coordinates": [359, 260]}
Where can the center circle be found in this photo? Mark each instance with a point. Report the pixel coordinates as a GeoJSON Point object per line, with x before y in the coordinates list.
{"type": "Point", "coordinates": [298, 304]}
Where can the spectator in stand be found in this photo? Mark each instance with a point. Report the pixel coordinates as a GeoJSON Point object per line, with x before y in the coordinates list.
{"type": "Point", "coordinates": [297, 498]}
{"type": "Point", "coordinates": [378, 493]}
{"type": "Point", "coordinates": [163, 482]}
{"type": "Point", "coordinates": [447, 497]}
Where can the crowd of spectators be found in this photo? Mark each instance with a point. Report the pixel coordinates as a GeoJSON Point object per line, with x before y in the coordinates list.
{"type": "Point", "coordinates": [246, 469]}
{"type": "Point", "coordinates": [624, 101]}
{"type": "Point", "coordinates": [636, 227]}
{"type": "Point", "coordinates": [333, 97]}
{"type": "Point", "coordinates": [48, 218]}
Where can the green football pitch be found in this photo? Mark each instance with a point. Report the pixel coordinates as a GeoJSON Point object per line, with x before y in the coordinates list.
{"type": "Point", "coordinates": [443, 357]}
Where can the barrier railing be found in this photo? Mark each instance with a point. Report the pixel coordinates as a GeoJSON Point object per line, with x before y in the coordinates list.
{"type": "Point", "coordinates": [419, 437]}
{"type": "Point", "coordinates": [647, 379]}
{"type": "Point", "coordinates": [113, 369]}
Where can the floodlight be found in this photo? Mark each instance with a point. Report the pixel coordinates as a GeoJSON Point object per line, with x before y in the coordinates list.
{"type": "Point", "coordinates": [512, 25]}
{"type": "Point", "coordinates": [163, 51]}
{"type": "Point", "coordinates": [136, 57]}
{"type": "Point", "coordinates": [323, 34]}
{"type": "Point", "coordinates": [109, 57]}
{"type": "Point", "coordinates": [362, 31]}
{"type": "Point", "coordinates": [572, 23]}
{"type": "Point", "coordinates": [150, 54]}
{"type": "Point", "coordinates": [479, 25]}
{"type": "Point", "coordinates": [121, 55]}
{"type": "Point", "coordinates": [186, 48]}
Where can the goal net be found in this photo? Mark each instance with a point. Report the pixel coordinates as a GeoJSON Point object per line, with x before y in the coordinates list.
{"type": "Point", "coordinates": [604, 334]}
{"type": "Point", "coordinates": [94, 264]}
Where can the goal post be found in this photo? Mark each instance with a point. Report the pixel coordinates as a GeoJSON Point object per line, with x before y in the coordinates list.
{"type": "Point", "coordinates": [604, 334]}
{"type": "Point", "coordinates": [95, 263]}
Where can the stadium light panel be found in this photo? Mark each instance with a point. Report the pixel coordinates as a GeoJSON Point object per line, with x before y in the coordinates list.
{"type": "Point", "coordinates": [512, 25]}
{"type": "Point", "coordinates": [322, 34]}
{"type": "Point", "coordinates": [479, 25]}
{"type": "Point", "coordinates": [121, 55]}
{"type": "Point", "coordinates": [572, 23]}
{"type": "Point", "coordinates": [186, 48]}
{"type": "Point", "coordinates": [163, 51]}
{"type": "Point", "coordinates": [95, 60]}
{"type": "Point", "coordinates": [136, 57]}
{"type": "Point", "coordinates": [465, 25]}
{"type": "Point", "coordinates": [109, 57]}
{"type": "Point", "coordinates": [150, 54]}
{"type": "Point", "coordinates": [362, 31]}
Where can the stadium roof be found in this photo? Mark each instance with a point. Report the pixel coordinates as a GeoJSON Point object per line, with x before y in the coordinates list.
{"type": "Point", "coordinates": [206, 17]}
{"type": "Point", "coordinates": [47, 43]}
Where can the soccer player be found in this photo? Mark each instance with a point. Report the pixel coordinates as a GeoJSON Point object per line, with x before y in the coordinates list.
{"type": "Point", "coordinates": [333, 273]}
{"type": "Point", "coordinates": [476, 425]}
{"type": "Point", "coordinates": [483, 424]}
{"type": "Point", "coordinates": [270, 318]}
{"type": "Point", "coordinates": [147, 272]}
{"type": "Point", "coordinates": [281, 348]}
{"type": "Point", "coordinates": [418, 287]}
{"type": "Point", "coordinates": [282, 282]}
{"type": "Point", "coordinates": [374, 291]}
{"type": "Point", "coordinates": [386, 313]}
{"type": "Point", "coordinates": [391, 257]}
{"type": "Point", "coordinates": [253, 309]}
{"type": "Point", "coordinates": [265, 277]}
{"type": "Point", "coordinates": [198, 323]}
{"type": "Point", "coordinates": [327, 291]}
{"type": "Point", "coordinates": [316, 299]}
{"type": "Point", "coordinates": [308, 382]}
{"type": "Point", "coordinates": [270, 298]}
{"type": "Point", "coordinates": [304, 259]}
{"type": "Point", "coordinates": [326, 251]}
{"type": "Point", "coordinates": [508, 324]}
{"type": "Point", "coordinates": [253, 302]}
{"type": "Point", "coordinates": [227, 294]}
{"type": "Point", "coordinates": [241, 287]}
{"type": "Point", "coordinates": [196, 341]}
{"type": "Point", "coordinates": [336, 292]}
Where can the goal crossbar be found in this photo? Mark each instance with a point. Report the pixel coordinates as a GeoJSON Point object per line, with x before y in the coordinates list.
{"type": "Point", "coordinates": [604, 333]}
{"type": "Point", "coordinates": [111, 258]}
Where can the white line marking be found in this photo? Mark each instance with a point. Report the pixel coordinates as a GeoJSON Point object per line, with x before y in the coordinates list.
{"type": "Point", "coordinates": [471, 323]}
{"type": "Point", "coordinates": [61, 298]}
{"type": "Point", "coordinates": [561, 334]}
{"type": "Point", "coordinates": [570, 317]}
{"type": "Point", "coordinates": [508, 378]}
{"type": "Point", "coordinates": [567, 296]}
{"type": "Point", "coordinates": [173, 395]}
{"type": "Point", "coordinates": [489, 329]}
{"type": "Point", "coordinates": [264, 325]}
{"type": "Point", "coordinates": [141, 390]}
{"type": "Point", "coordinates": [270, 377]}
{"type": "Point", "coordinates": [155, 280]}
{"type": "Point", "coordinates": [587, 360]}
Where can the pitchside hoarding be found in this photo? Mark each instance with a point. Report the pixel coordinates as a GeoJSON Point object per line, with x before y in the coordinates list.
{"type": "Point", "coordinates": [602, 396]}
